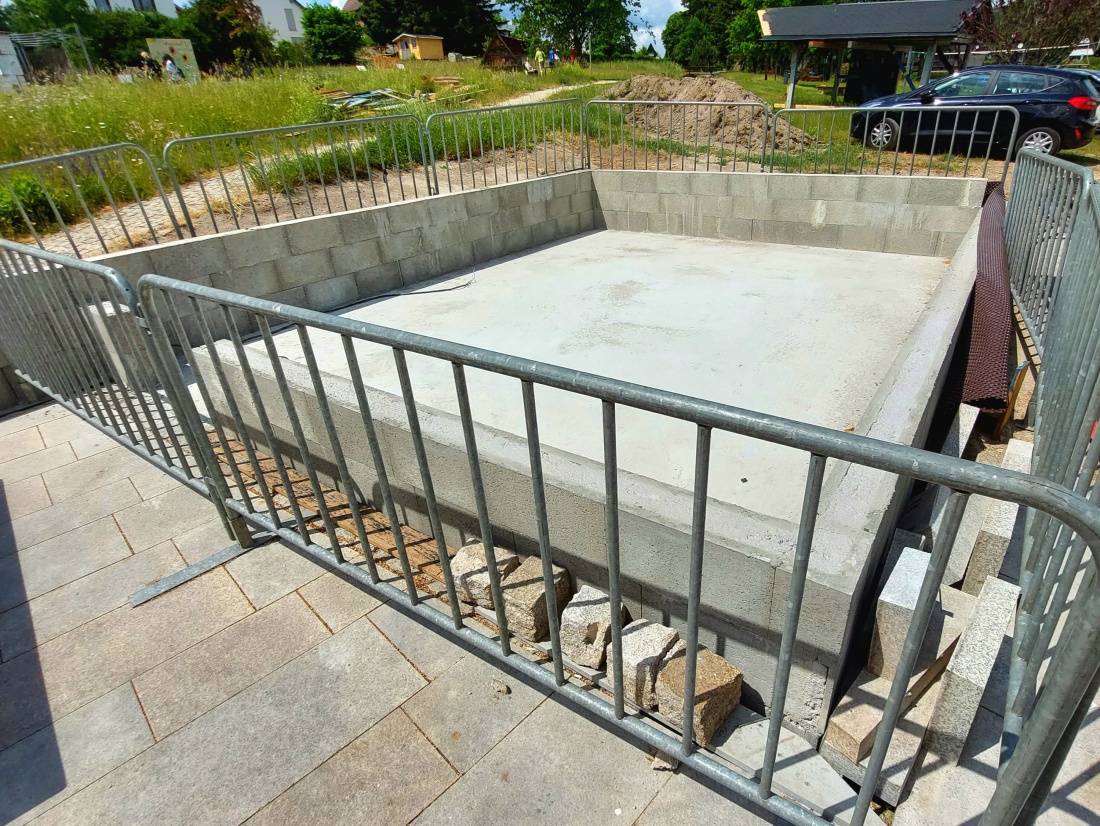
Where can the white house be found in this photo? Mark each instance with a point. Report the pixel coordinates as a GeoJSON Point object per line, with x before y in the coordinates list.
{"type": "Point", "coordinates": [165, 7]}
{"type": "Point", "coordinates": [284, 16]}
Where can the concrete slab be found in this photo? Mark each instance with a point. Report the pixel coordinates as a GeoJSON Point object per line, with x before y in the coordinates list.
{"type": "Point", "coordinates": [32, 418]}
{"type": "Point", "coordinates": [153, 482]}
{"type": "Point", "coordinates": [708, 318]}
{"type": "Point", "coordinates": [429, 652]}
{"type": "Point", "coordinates": [21, 498]}
{"type": "Point", "coordinates": [272, 571]}
{"type": "Point", "coordinates": [336, 601]}
{"type": "Point", "coordinates": [20, 443]}
{"type": "Point", "coordinates": [235, 759]}
{"type": "Point", "coordinates": [70, 606]}
{"type": "Point", "coordinates": [403, 781]}
{"type": "Point", "coordinates": [97, 472]}
{"type": "Point", "coordinates": [999, 528]}
{"type": "Point", "coordinates": [163, 517]}
{"type": "Point", "coordinates": [56, 762]}
{"type": "Point", "coordinates": [688, 798]}
{"type": "Point", "coordinates": [464, 713]}
{"type": "Point", "coordinates": [36, 463]}
{"type": "Point", "coordinates": [66, 516]}
{"type": "Point", "coordinates": [194, 681]}
{"type": "Point", "coordinates": [65, 429]}
{"type": "Point", "coordinates": [555, 766]}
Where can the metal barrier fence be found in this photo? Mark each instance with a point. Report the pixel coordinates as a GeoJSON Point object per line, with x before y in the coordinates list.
{"type": "Point", "coordinates": [315, 169]}
{"type": "Point", "coordinates": [503, 143]}
{"type": "Point", "coordinates": [1047, 194]}
{"type": "Point", "coordinates": [706, 134]}
{"type": "Point", "coordinates": [934, 140]}
{"type": "Point", "coordinates": [101, 200]}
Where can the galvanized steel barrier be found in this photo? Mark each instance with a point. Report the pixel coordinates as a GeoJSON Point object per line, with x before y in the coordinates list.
{"type": "Point", "coordinates": [500, 144]}
{"type": "Point", "coordinates": [315, 169]}
{"type": "Point", "coordinates": [719, 135]}
{"type": "Point", "coordinates": [1047, 196]}
{"type": "Point", "coordinates": [102, 200]}
{"type": "Point", "coordinates": [933, 140]}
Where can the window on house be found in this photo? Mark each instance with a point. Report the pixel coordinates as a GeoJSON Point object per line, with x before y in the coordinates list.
{"type": "Point", "coordinates": [291, 24]}
{"type": "Point", "coordinates": [412, 43]}
{"type": "Point", "coordinates": [102, 5]}
{"type": "Point", "coordinates": [145, 5]}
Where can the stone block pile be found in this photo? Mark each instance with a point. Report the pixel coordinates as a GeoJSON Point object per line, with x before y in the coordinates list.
{"type": "Point", "coordinates": [654, 656]}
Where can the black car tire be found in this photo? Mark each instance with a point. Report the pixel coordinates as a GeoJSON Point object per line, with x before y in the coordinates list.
{"type": "Point", "coordinates": [1043, 139]}
{"type": "Point", "coordinates": [888, 128]}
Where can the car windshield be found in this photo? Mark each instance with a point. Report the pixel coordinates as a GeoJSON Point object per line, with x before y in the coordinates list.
{"type": "Point", "coordinates": [962, 85]}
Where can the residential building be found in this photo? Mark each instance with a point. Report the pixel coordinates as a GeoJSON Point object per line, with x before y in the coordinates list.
{"type": "Point", "coordinates": [165, 7]}
{"type": "Point", "coordinates": [285, 17]}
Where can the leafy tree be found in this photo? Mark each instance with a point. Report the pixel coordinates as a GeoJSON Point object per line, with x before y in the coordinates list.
{"type": "Point", "coordinates": [568, 23]}
{"type": "Point", "coordinates": [222, 30]}
{"type": "Point", "coordinates": [464, 25]}
{"type": "Point", "coordinates": [332, 35]}
{"type": "Point", "coordinates": [5, 19]}
{"type": "Point", "coordinates": [35, 15]}
{"type": "Point", "coordinates": [117, 38]}
{"type": "Point", "coordinates": [1048, 29]}
{"type": "Point", "coordinates": [292, 54]}
{"type": "Point", "coordinates": [673, 32]}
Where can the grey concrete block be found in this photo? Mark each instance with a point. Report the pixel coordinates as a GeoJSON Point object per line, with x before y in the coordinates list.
{"type": "Point", "coordinates": [707, 226]}
{"type": "Point", "coordinates": [583, 202]}
{"type": "Point", "coordinates": [861, 238]}
{"type": "Point", "coordinates": [332, 293]}
{"type": "Point", "coordinates": [969, 670]}
{"type": "Point", "coordinates": [444, 209]}
{"type": "Point", "coordinates": [948, 243]}
{"type": "Point", "coordinates": [558, 207]}
{"type": "Point", "coordinates": [799, 211]}
{"type": "Point", "coordinates": [563, 186]}
{"type": "Point", "coordinates": [405, 216]}
{"type": "Point", "coordinates": [613, 200]}
{"type": "Point", "coordinates": [455, 257]}
{"type": "Point", "coordinates": [254, 246]}
{"type": "Point", "coordinates": [514, 196]}
{"type": "Point", "coordinates": [586, 627]}
{"type": "Point", "coordinates": [910, 242]}
{"type": "Point", "coordinates": [673, 183]}
{"type": "Point", "coordinates": [256, 280]}
{"type": "Point", "coordinates": [718, 206]}
{"type": "Point", "coordinates": [645, 646]}
{"type": "Point", "coordinates": [637, 222]}
{"type": "Point", "coordinates": [401, 245]}
{"type": "Point", "coordinates": [751, 208]}
{"type": "Point", "coordinates": [787, 186]}
{"type": "Point", "coordinates": [713, 184]}
{"type": "Point", "coordinates": [975, 193]}
{"type": "Point", "coordinates": [735, 229]}
{"type": "Point", "coordinates": [752, 186]}
{"type": "Point", "coordinates": [933, 218]}
{"type": "Point", "coordinates": [481, 202]}
{"type": "Point", "coordinates": [859, 215]}
{"type": "Point", "coordinates": [644, 201]}
{"type": "Point", "coordinates": [889, 189]}
{"type": "Point", "coordinates": [815, 235]}
{"type": "Point", "coordinates": [380, 279]}
{"type": "Point", "coordinates": [835, 187]}
{"type": "Point", "coordinates": [360, 225]}
{"type": "Point", "coordinates": [419, 267]}
{"type": "Point", "coordinates": [939, 191]}
{"type": "Point", "coordinates": [487, 248]}
{"type": "Point", "coordinates": [470, 569]}
{"type": "Point", "coordinates": [543, 232]}
{"type": "Point", "coordinates": [311, 234]}
{"type": "Point", "coordinates": [570, 225]}
{"type": "Point", "coordinates": [717, 692]}
{"type": "Point", "coordinates": [773, 232]}
{"type": "Point", "coordinates": [188, 259]}
{"type": "Point", "coordinates": [480, 226]}
{"type": "Point", "coordinates": [356, 257]}
{"type": "Point", "coordinates": [1001, 527]}
{"type": "Point", "coordinates": [615, 220]}
{"type": "Point", "coordinates": [639, 181]}
{"type": "Point", "coordinates": [300, 270]}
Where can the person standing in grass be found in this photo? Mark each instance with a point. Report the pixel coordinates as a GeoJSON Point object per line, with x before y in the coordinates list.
{"type": "Point", "coordinates": [551, 57]}
{"type": "Point", "coordinates": [539, 58]}
{"type": "Point", "coordinates": [172, 70]}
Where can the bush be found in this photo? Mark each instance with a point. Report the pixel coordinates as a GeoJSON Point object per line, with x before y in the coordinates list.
{"type": "Point", "coordinates": [332, 35]}
{"type": "Point", "coordinates": [292, 54]}
{"type": "Point", "coordinates": [31, 196]}
{"type": "Point", "coordinates": [118, 37]}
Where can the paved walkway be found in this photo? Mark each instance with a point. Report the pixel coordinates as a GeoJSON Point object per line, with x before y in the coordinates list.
{"type": "Point", "coordinates": [267, 690]}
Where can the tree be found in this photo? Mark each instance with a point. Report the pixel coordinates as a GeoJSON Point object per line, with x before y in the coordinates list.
{"type": "Point", "coordinates": [1046, 29]}
{"type": "Point", "coordinates": [36, 15]}
{"type": "Point", "coordinates": [568, 23]}
{"type": "Point", "coordinates": [5, 19]}
{"type": "Point", "coordinates": [221, 31]}
{"type": "Point", "coordinates": [292, 54]}
{"type": "Point", "coordinates": [673, 32]}
{"type": "Point", "coordinates": [464, 25]}
{"type": "Point", "coordinates": [117, 38]}
{"type": "Point", "coordinates": [332, 35]}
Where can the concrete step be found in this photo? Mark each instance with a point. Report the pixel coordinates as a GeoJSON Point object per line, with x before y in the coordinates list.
{"type": "Point", "coordinates": [1001, 536]}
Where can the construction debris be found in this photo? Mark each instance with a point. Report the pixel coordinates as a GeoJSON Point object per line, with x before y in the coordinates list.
{"type": "Point", "coordinates": [645, 646]}
{"type": "Point", "coordinates": [717, 692]}
{"type": "Point", "coordinates": [525, 598]}
{"type": "Point", "coordinates": [586, 627]}
{"type": "Point", "coordinates": [471, 572]}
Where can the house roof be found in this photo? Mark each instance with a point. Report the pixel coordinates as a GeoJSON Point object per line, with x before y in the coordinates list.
{"type": "Point", "coordinates": [346, 5]}
{"type": "Point", "coordinates": [893, 20]}
{"type": "Point", "coordinates": [418, 36]}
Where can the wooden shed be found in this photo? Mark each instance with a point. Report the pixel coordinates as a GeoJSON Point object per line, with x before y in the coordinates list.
{"type": "Point", "coordinates": [419, 46]}
{"type": "Point", "coordinates": [504, 52]}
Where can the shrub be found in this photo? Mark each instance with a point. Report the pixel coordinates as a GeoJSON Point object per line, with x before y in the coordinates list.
{"type": "Point", "coordinates": [292, 54]}
{"type": "Point", "coordinates": [332, 35]}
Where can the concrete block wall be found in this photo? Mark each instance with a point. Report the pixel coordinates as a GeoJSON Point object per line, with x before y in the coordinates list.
{"type": "Point", "coordinates": [903, 214]}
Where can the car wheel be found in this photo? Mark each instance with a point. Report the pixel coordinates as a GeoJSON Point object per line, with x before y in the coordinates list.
{"type": "Point", "coordinates": [1041, 139]}
{"type": "Point", "coordinates": [883, 134]}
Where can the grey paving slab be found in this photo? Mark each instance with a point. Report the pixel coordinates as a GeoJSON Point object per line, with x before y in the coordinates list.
{"type": "Point", "coordinates": [59, 561]}
{"type": "Point", "coordinates": [406, 774]}
{"type": "Point", "coordinates": [429, 651]}
{"type": "Point", "coordinates": [67, 672]}
{"type": "Point", "coordinates": [272, 571]}
{"type": "Point", "coordinates": [31, 418]}
{"type": "Point", "coordinates": [230, 762]}
{"type": "Point", "coordinates": [21, 498]}
{"type": "Point", "coordinates": [92, 444]}
{"type": "Point", "coordinates": [336, 601]}
{"type": "Point", "coordinates": [194, 681]}
{"type": "Point", "coordinates": [56, 762]}
{"type": "Point", "coordinates": [688, 798]}
{"type": "Point", "coordinates": [65, 428]}
{"type": "Point", "coordinates": [66, 516]}
{"type": "Point", "coordinates": [20, 443]}
{"type": "Point", "coordinates": [198, 543]}
{"type": "Point", "coordinates": [152, 481]}
{"type": "Point", "coordinates": [164, 516]}
{"type": "Point", "coordinates": [465, 714]}
{"type": "Point", "coordinates": [557, 767]}
{"type": "Point", "coordinates": [70, 606]}
{"type": "Point", "coordinates": [36, 463]}
{"type": "Point", "coordinates": [94, 472]}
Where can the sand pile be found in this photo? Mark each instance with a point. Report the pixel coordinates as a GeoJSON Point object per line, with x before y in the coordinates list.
{"type": "Point", "coordinates": [743, 129]}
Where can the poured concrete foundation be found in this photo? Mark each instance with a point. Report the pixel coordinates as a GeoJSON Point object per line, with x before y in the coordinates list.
{"type": "Point", "coordinates": [701, 298]}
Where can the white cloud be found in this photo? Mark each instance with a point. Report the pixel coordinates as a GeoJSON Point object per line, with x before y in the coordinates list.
{"type": "Point", "coordinates": [654, 13]}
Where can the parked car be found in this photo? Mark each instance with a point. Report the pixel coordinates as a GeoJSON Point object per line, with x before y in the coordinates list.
{"type": "Point", "coordinates": [1059, 109]}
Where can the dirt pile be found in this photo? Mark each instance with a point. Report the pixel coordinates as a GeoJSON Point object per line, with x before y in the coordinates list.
{"type": "Point", "coordinates": [733, 127]}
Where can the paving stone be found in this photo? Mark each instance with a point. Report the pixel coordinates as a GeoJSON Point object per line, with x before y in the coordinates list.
{"type": "Point", "coordinates": [56, 762]}
{"type": "Point", "coordinates": [153, 481]}
{"type": "Point", "coordinates": [66, 516]}
{"type": "Point", "coordinates": [645, 645]}
{"type": "Point", "coordinates": [92, 444]}
{"type": "Point", "coordinates": [79, 666]}
{"type": "Point", "coordinates": [164, 516]}
{"type": "Point", "coordinates": [557, 766]}
{"type": "Point", "coordinates": [242, 754]}
{"type": "Point", "coordinates": [194, 681]}
{"type": "Point", "coordinates": [272, 571]}
{"type": "Point", "coordinates": [691, 798]}
{"type": "Point", "coordinates": [15, 422]}
{"type": "Point", "coordinates": [198, 543]}
{"type": "Point", "coordinates": [60, 560]}
{"type": "Point", "coordinates": [336, 601]}
{"type": "Point", "coordinates": [586, 627]}
{"type": "Point", "coordinates": [428, 650]}
{"type": "Point", "coordinates": [66, 429]}
{"type": "Point", "coordinates": [70, 606]}
{"type": "Point", "coordinates": [21, 498]}
{"type": "Point", "coordinates": [717, 692]}
{"type": "Point", "coordinates": [403, 780]}
{"type": "Point", "coordinates": [471, 572]}
{"type": "Point", "coordinates": [894, 612]}
{"type": "Point", "coordinates": [41, 462]}
{"type": "Point", "coordinates": [969, 670]}
{"type": "Point", "coordinates": [463, 713]}
{"type": "Point", "coordinates": [525, 598]}
{"type": "Point", "coordinates": [20, 443]}
{"type": "Point", "coordinates": [92, 473]}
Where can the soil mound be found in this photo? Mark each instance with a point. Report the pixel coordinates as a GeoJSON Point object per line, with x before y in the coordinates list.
{"type": "Point", "coordinates": [744, 129]}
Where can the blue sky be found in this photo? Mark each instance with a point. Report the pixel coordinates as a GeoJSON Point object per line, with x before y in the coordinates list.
{"type": "Point", "coordinates": [655, 13]}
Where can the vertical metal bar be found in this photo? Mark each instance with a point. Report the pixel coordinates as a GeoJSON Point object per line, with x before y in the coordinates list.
{"type": "Point", "coordinates": [67, 169]}
{"type": "Point", "coordinates": [810, 501]}
{"type": "Point", "coordinates": [611, 512]}
{"type": "Point", "coordinates": [244, 179]}
{"type": "Point", "coordinates": [224, 182]}
{"type": "Point", "coordinates": [93, 160]}
{"type": "Point", "coordinates": [695, 581]}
